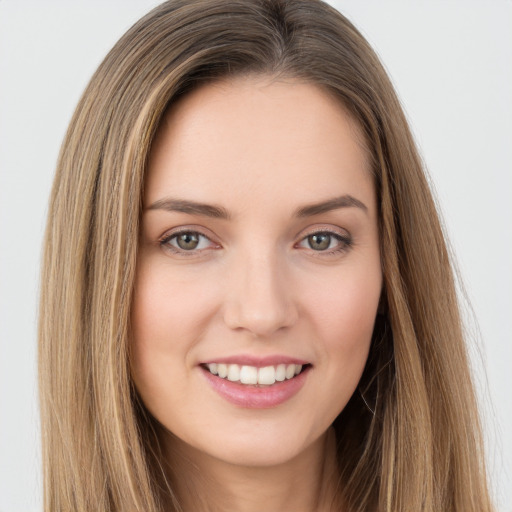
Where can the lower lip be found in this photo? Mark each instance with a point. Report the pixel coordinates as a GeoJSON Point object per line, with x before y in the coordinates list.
{"type": "Point", "coordinates": [254, 397]}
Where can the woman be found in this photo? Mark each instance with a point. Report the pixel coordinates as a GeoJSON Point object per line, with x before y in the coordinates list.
{"type": "Point", "coordinates": [247, 300]}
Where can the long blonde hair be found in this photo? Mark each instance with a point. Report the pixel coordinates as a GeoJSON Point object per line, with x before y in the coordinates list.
{"type": "Point", "coordinates": [410, 439]}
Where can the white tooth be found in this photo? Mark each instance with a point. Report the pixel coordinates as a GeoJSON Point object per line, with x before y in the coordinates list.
{"type": "Point", "coordinates": [267, 375]}
{"type": "Point", "coordinates": [213, 368]}
{"type": "Point", "coordinates": [280, 372]}
{"type": "Point", "coordinates": [222, 370]}
{"type": "Point", "coordinates": [233, 372]}
{"type": "Point", "coordinates": [290, 371]}
{"type": "Point", "coordinates": [298, 369]}
{"type": "Point", "coordinates": [248, 375]}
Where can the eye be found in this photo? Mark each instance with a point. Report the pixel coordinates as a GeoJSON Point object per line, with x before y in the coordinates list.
{"type": "Point", "coordinates": [186, 241]}
{"type": "Point", "coordinates": [326, 241]}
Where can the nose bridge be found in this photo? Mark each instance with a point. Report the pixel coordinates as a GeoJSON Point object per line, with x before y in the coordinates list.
{"type": "Point", "coordinates": [259, 298]}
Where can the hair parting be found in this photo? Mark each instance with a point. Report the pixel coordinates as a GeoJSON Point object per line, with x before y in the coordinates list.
{"type": "Point", "coordinates": [416, 444]}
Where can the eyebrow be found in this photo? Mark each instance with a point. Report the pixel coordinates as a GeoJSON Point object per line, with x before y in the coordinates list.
{"type": "Point", "coordinates": [335, 203]}
{"type": "Point", "coordinates": [218, 212]}
{"type": "Point", "coordinates": [190, 207]}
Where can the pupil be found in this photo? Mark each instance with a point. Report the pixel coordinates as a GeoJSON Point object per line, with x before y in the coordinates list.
{"type": "Point", "coordinates": [188, 241]}
{"type": "Point", "coordinates": [319, 242]}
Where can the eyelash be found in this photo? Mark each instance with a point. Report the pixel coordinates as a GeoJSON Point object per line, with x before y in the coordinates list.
{"type": "Point", "coordinates": [344, 242]}
{"type": "Point", "coordinates": [165, 242]}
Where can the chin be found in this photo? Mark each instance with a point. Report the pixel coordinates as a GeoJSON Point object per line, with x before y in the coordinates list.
{"type": "Point", "coordinates": [252, 443]}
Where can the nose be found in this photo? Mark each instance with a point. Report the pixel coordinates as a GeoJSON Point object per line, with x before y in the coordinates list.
{"type": "Point", "coordinates": [259, 296]}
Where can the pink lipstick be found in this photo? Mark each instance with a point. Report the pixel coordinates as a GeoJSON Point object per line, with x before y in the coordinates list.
{"type": "Point", "coordinates": [256, 383]}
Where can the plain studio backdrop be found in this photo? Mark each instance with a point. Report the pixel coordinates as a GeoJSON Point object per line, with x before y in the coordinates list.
{"type": "Point", "coordinates": [451, 62]}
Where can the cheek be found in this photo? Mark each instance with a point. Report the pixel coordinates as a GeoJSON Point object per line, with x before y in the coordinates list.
{"type": "Point", "coordinates": [168, 314]}
{"type": "Point", "coordinates": [168, 304]}
{"type": "Point", "coordinates": [343, 316]}
{"type": "Point", "coordinates": [345, 305]}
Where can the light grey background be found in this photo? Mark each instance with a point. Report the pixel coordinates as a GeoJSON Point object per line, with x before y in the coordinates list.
{"type": "Point", "coordinates": [451, 62]}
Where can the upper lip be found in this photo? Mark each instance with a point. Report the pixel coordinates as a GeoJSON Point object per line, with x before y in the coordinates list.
{"type": "Point", "coordinates": [257, 361]}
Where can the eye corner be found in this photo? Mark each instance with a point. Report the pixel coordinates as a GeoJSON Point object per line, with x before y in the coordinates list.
{"type": "Point", "coordinates": [331, 242]}
{"type": "Point", "coordinates": [194, 242]}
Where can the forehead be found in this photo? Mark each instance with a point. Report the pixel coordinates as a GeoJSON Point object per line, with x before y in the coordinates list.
{"type": "Point", "coordinates": [257, 134]}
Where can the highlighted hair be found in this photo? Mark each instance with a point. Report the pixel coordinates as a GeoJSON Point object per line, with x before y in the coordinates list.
{"type": "Point", "coordinates": [420, 448]}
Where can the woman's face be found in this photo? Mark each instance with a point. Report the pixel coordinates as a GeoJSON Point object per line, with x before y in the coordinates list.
{"type": "Point", "coordinates": [259, 258]}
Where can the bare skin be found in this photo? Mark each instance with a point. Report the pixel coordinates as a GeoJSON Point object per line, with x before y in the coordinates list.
{"type": "Point", "coordinates": [259, 247]}
{"type": "Point", "coordinates": [306, 484]}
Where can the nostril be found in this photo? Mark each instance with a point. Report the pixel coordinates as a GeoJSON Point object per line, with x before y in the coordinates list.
{"type": "Point", "coordinates": [260, 318]}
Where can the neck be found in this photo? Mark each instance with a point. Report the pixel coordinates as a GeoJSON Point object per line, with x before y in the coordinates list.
{"type": "Point", "coordinates": [307, 483]}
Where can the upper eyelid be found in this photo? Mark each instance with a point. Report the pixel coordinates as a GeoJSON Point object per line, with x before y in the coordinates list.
{"type": "Point", "coordinates": [343, 239]}
{"type": "Point", "coordinates": [299, 237]}
{"type": "Point", "coordinates": [171, 233]}
{"type": "Point", "coordinates": [165, 243]}
{"type": "Point", "coordinates": [333, 230]}
{"type": "Point", "coordinates": [344, 243]}
{"type": "Point", "coordinates": [178, 233]}
{"type": "Point", "coordinates": [200, 231]}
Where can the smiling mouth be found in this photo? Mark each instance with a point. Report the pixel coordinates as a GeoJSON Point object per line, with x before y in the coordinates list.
{"type": "Point", "coordinates": [254, 376]}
